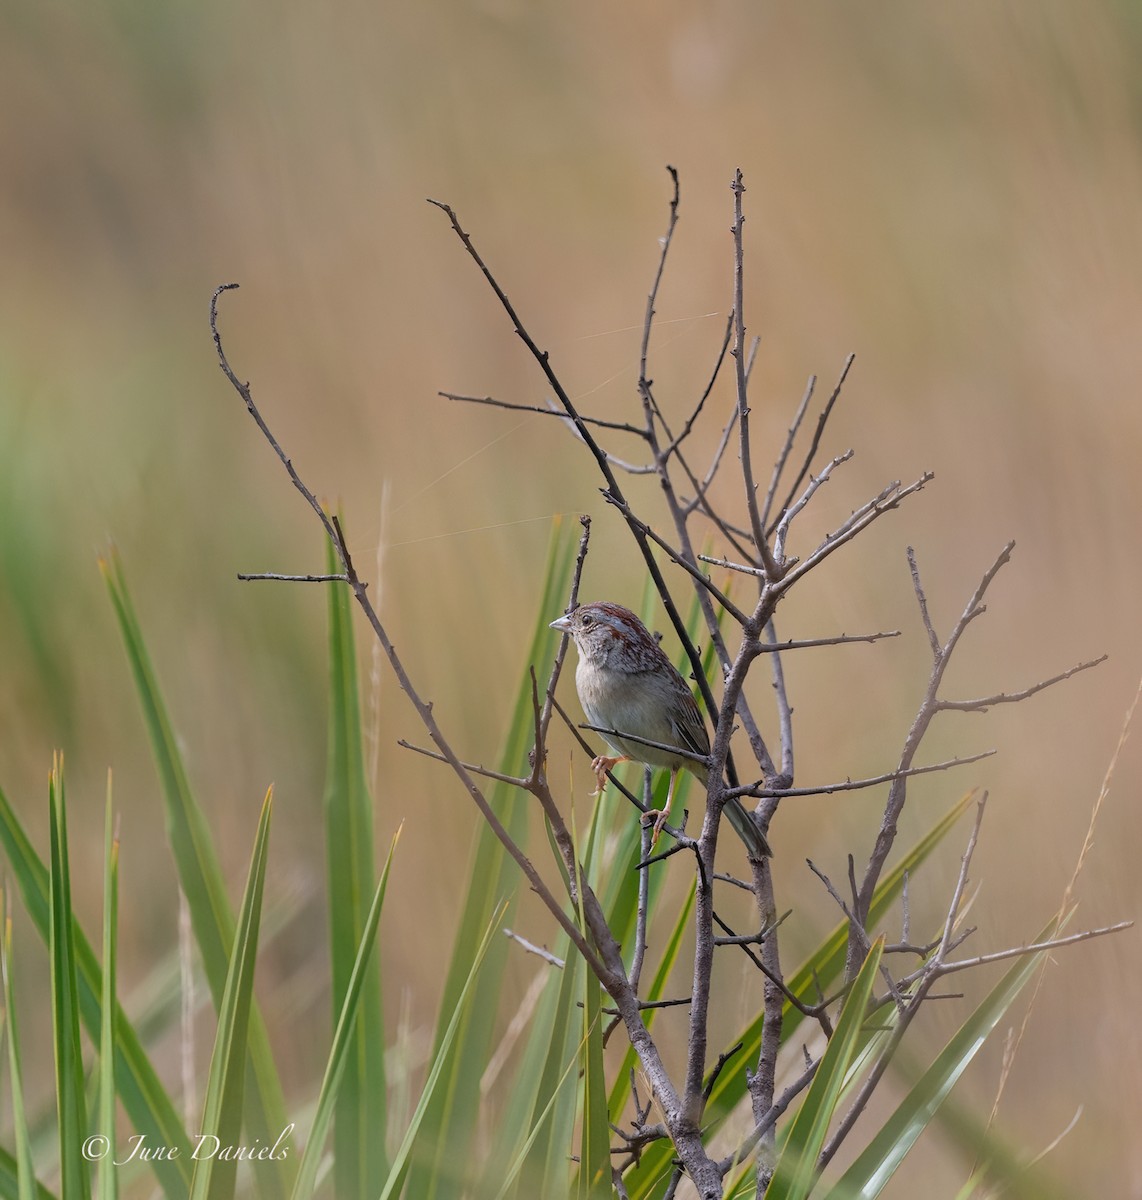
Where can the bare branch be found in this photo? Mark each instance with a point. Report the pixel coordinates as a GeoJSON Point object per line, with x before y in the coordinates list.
{"type": "Point", "coordinates": [681, 751]}
{"type": "Point", "coordinates": [243, 390]}
{"type": "Point", "coordinates": [689, 425]}
{"type": "Point", "coordinates": [531, 948]}
{"type": "Point", "coordinates": [783, 456]}
{"type": "Point", "coordinates": [715, 463]}
{"type": "Point", "coordinates": [784, 710]}
{"type": "Point", "coordinates": [986, 702]}
{"type": "Point", "coordinates": [822, 421]}
{"type": "Point", "coordinates": [807, 495]}
{"type": "Point", "coordinates": [545, 411]}
{"type": "Point", "coordinates": [645, 847]}
{"type": "Point", "coordinates": [474, 768]}
{"type": "Point", "coordinates": [888, 500]}
{"type": "Point", "coordinates": [650, 408]}
{"type": "Point", "coordinates": [961, 880]}
{"type": "Point", "coordinates": [773, 571]}
{"type": "Point", "coordinates": [854, 785]}
{"type": "Point", "coordinates": [332, 528]}
{"type": "Point", "coordinates": [565, 640]}
{"type": "Point", "coordinates": [982, 960]}
{"type": "Point", "coordinates": [922, 600]}
{"type": "Point", "coordinates": [673, 554]}
{"type": "Point", "coordinates": [295, 578]}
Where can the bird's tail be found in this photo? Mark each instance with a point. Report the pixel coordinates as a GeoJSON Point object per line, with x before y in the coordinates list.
{"type": "Point", "coordinates": [747, 829]}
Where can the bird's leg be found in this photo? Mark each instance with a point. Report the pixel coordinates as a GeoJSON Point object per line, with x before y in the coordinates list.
{"type": "Point", "coordinates": [661, 815]}
{"type": "Point", "coordinates": [601, 765]}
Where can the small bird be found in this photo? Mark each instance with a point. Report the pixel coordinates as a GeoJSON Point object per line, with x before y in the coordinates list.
{"type": "Point", "coordinates": [626, 683]}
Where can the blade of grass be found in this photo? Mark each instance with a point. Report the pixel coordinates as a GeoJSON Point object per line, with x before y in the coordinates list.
{"type": "Point", "coordinates": [516, 1166]}
{"type": "Point", "coordinates": [796, 1170]}
{"type": "Point", "coordinates": [594, 1174]}
{"type": "Point", "coordinates": [450, 1121]}
{"type": "Point", "coordinates": [873, 1168]}
{"type": "Point", "coordinates": [146, 1101]}
{"type": "Point", "coordinates": [358, 1153]}
{"type": "Point", "coordinates": [25, 1175]}
{"type": "Point", "coordinates": [536, 1088]}
{"type": "Point", "coordinates": [11, 1181]}
{"type": "Point", "coordinates": [70, 1106]}
{"type": "Point", "coordinates": [200, 875]}
{"type": "Point", "coordinates": [440, 1061]}
{"type": "Point", "coordinates": [214, 1176]}
{"type": "Point", "coordinates": [108, 1180]}
{"type": "Point", "coordinates": [343, 1047]}
{"type": "Point", "coordinates": [1008, 1171]}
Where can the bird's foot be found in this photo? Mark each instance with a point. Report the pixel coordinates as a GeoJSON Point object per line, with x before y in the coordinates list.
{"type": "Point", "coordinates": [601, 765]}
{"type": "Point", "coordinates": [659, 816]}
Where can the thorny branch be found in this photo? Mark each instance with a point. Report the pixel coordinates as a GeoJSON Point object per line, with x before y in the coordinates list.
{"type": "Point", "coordinates": [752, 542]}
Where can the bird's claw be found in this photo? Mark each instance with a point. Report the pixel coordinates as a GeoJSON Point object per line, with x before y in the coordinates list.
{"type": "Point", "coordinates": [660, 817]}
{"type": "Point", "coordinates": [601, 764]}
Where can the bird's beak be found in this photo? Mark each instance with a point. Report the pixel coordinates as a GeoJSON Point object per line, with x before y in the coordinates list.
{"type": "Point", "coordinates": [563, 624]}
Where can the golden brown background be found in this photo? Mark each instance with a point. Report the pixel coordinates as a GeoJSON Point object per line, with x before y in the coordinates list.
{"type": "Point", "coordinates": [953, 192]}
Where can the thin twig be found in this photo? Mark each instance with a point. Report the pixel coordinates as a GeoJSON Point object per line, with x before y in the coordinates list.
{"type": "Point", "coordinates": [531, 948]}
{"type": "Point", "coordinates": [822, 421]}
{"type": "Point", "coordinates": [853, 785]}
{"type": "Point", "coordinates": [635, 523]}
{"type": "Point", "coordinates": [783, 456]}
{"type": "Point", "coordinates": [922, 600]}
{"type": "Point", "coordinates": [543, 410]}
{"type": "Point", "coordinates": [684, 433]}
{"type": "Point", "coordinates": [294, 578]}
{"type": "Point", "coordinates": [985, 702]}
{"type": "Point", "coordinates": [773, 571]}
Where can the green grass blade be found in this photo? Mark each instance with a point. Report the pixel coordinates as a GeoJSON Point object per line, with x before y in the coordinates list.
{"type": "Point", "coordinates": [796, 1169]}
{"type": "Point", "coordinates": [827, 961]}
{"type": "Point", "coordinates": [876, 1164]}
{"type": "Point", "coordinates": [594, 1173]}
{"type": "Point", "coordinates": [451, 1120]}
{"type": "Point", "coordinates": [200, 875]}
{"type": "Point", "coordinates": [108, 1180]}
{"type": "Point", "coordinates": [25, 1175]}
{"type": "Point", "coordinates": [595, 1142]}
{"type": "Point", "coordinates": [214, 1176]}
{"type": "Point", "coordinates": [343, 1041]}
{"type": "Point", "coordinates": [146, 1101]}
{"type": "Point", "coordinates": [71, 1108]}
{"type": "Point", "coordinates": [1000, 1169]}
{"type": "Point", "coordinates": [539, 1086]}
{"type": "Point", "coordinates": [358, 1153]}
{"type": "Point", "coordinates": [440, 1062]}
{"type": "Point", "coordinates": [11, 1181]}
{"type": "Point", "coordinates": [516, 1166]}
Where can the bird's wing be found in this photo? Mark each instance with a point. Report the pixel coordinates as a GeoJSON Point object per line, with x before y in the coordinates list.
{"type": "Point", "coordinates": [688, 724]}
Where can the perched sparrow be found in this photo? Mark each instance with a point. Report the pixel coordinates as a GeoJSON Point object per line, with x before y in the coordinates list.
{"type": "Point", "coordinates": [626, 683]}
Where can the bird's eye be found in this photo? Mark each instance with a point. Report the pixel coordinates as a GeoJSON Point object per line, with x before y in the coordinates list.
{"type": "Point", "coordinates": [587, 618]}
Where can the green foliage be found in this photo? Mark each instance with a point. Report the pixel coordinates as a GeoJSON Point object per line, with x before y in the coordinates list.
{"type": "Point", "coordinates": [796, 1169]}
{"type": "Point", "coordinates": [550, 1101]}
{"type": "Point", "coordinates": [108, 1178]}
{"type": "Point", "coordinates": [451, 1120]}
{"type": "Point", "coordinates": [886, 1150]}
{"type": "Point", "coordinates": [344, 1041]}
{"type": "Point", "coordinates": [71, 1104]}
{"type": "Point", "coordinates": [215, 1173]}
{"type": "Point", "coordinates": [359, 1156]}
{"type": "Point", "coordinates": [21, 1181]}
{"type": "Point", "coordinates": [145, 1099]}
{"type": "Point", "coordinates": [200, 874]}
